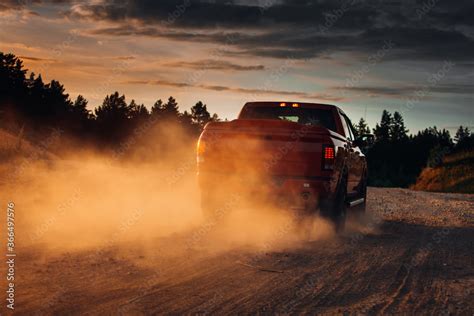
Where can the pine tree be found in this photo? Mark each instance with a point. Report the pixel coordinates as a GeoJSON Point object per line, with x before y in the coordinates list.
{"type": "Point", "coordinates": [200, 115]}
{"type": "Point", "coordinates": [113, 109]}
{"type": "Point", "coordinates": [166, 111]}
{"type": "Point", "coordinates": [382, 131]}
{"type": "Point", "coordinates": [361, 128]}
{"type": "Point", "coordinates": [12, 76]}
{"type": "Point", "coordinates": [157, 108]}
{"type": "Point", "coordinates": [57, 103]}
{"type": "Point", "coordinates": [138, 112]}
{"type": "Point", "coordinates": [461, 134]}
{"type": "Point", "coordinates": [36, 84]}
{"type": "Point", "coordinates": [464, 139]}
{"type": "Point", "coordinates": [113, 118]}
{"type": "Point", "coordinates": [445, 139]}
{"type": "Point", "coordinates": [36, 94]}
{"type": "Point", "coordinates": [398, 132]}
{"type": "Point", "coordinates": [79, 108]}
{"type": "Point", "coordinates": [186, 119]}
{"type": "Point", "coordinates": [171, 109]}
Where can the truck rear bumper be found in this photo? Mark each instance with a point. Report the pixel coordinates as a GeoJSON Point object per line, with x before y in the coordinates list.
{"type": "Point", "coordinates": [287, 191]}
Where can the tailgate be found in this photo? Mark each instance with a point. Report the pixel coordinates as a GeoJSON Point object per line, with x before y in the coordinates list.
{"type": "Point", "coordinates": [275, 148]}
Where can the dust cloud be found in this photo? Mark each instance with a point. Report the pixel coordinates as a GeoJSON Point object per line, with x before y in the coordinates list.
{"type": "Point", "coordinates": [145, 191]}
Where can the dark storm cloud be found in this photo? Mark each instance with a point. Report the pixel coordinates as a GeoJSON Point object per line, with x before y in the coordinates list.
{"type": "Point", "coordinates": [410, 43]}
{"type": "Point", "coordinates": [249, 14]}
{"type": "Point", "coordinates": [10, 5]}
{"type": "Point", "coordinates": [227, 14]}
{"type": "Point", "coordinates": [423, 29]}
{"type": "Point", "coordinates": [450, 13]}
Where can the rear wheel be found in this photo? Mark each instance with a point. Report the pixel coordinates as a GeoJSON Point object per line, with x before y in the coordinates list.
{"type": "Point", "coordinates": [359, 210]}
{"type": "Point", "coordinates": [335, 210]}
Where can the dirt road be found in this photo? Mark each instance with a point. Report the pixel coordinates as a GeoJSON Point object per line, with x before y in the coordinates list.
{"type": "Point", "coordinates": [413, 255]}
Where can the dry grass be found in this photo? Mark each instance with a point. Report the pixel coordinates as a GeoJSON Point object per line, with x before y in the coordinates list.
{"type": "Point", "coordinates": [456, 174]}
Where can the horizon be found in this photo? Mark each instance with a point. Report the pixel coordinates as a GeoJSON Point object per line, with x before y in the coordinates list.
{"type": "Point", "coordinates": [149, 51]}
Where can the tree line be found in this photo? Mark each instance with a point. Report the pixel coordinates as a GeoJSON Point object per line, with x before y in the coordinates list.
{"type": "Point", "coordinates": [396, 159]}
{"type": "Point", "coordinates": [28, 101]}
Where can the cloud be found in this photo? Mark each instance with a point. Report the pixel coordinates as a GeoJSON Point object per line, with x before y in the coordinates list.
{"type": "Point", "coordinates": [12, 5]}
{"type": "Point", "coordinates": [252, 92]}
{"type": "Point", "coordinates": [211, 14]}
{"type": "Point", "coordinates": [403, 91]}
{"type": "Point", "coordinates": [409, 43]}
{"type": "Point", "coordinates": [300, 29]}
{"type": "Point", "coordinates": [37, 59]}
{"type": "Point", "coordinates": [125, 58]}
{"type": "Point", "coordinates": [214, 65]}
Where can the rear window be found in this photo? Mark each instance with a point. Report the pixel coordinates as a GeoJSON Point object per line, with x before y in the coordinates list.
{"type": "Point", "coordinates": [305, 116]}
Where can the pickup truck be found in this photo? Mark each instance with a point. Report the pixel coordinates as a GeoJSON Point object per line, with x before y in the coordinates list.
{"type": "Point", "coordinates": [302, 156]}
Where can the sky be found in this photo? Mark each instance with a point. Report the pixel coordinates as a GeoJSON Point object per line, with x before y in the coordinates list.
{"type": "Point", "coordinates": [415, 57]}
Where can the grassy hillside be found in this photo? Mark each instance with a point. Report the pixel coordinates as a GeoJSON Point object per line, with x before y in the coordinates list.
{"type": "Point", "coordinates": [8, 145]}
{"type": "Point", "coordinates": [15, 150]}
{"type": "Point", "coordinates": [455, 174]}
{"type": "Point", "coordinates": [11, 147]}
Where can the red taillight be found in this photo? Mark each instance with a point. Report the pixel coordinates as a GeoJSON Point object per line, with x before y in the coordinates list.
{"type": "Point", "coordinates": [329, 157]}
{"type": "Point", "coordinates": [329, 153]}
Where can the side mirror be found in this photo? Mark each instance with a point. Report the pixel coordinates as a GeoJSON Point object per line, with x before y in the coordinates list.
{"type": "Point", "coordinates": [365, 141]}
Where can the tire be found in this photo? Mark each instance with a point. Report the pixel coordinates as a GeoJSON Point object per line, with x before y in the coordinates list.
{"type": "Point", "coordinates": [359, 210]}
{"type": "Point", "coordinates": [336, 210]}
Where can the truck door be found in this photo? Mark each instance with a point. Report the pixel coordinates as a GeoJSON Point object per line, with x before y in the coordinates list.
{"type": "Point", "coordinates": [354, 175]}
{"type": "Point", "coordinates": [358, 166]}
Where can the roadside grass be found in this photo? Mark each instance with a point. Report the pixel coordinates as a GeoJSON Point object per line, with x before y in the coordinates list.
{"type": "Point", "coordinates": [454, 175]}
